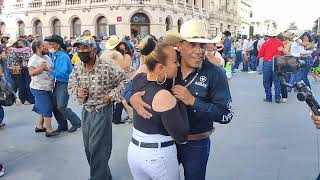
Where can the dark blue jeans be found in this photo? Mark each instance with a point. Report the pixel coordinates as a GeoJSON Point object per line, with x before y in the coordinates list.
{"type": "Point", "coordinates": [1, 114]}
{"type": "Point", "coordinates": [269, 77]}
{"type": "Point", "coordinates": [238, 59]}
{"type": "Point", "coordinates": [303, 73]}
{"type": "Point", "coordinates": [22, 82]}
{"type": "Point", "coordinates": [194, 158]}
{"type": "Point", "coordinates": [60, 98]}
{"type": "Point", "coordinates": [8, 75]}
{"type": "Point", "coordinates": [245, 65]}
{"type": "Point", "coordinates": [253, 63]}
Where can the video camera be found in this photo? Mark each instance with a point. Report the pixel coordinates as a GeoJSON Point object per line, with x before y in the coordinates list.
{"type": "Point", "coordinates": [283, 65]}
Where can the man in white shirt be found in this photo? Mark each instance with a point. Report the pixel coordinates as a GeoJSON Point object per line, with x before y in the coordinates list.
{"type": "Point", "coordinates": [245, 56]}
{"type": "Point", "coordinates": [214, 56]}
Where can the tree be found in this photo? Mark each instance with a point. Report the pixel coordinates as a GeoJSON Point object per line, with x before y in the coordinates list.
{"type": "Point", "coordinates": [293, 26]}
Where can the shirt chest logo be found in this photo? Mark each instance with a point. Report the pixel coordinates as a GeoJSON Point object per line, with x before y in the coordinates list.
{"type": "Point", "coordinates": [202, 82]}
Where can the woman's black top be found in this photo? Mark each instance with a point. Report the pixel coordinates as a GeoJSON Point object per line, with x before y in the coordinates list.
{"type": "Point", "coordinates": [173, 122]}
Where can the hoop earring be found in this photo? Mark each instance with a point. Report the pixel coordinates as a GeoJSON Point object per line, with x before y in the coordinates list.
{"type": "Point", "coordinates": [165, 79]}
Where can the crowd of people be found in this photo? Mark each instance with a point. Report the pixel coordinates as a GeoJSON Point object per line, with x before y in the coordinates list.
{"type": "Point", "coordinates": [173, 89]}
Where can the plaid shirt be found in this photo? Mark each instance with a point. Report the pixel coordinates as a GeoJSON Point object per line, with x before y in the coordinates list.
{"type": "Point", "coordinates": [106, 78]}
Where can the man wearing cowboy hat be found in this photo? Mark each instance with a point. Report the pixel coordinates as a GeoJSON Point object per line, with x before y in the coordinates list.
{"type": "Point", "coordinates": [268, 51]}
{"type": "Point", "coordinates": [95, 82]}
{"type": "Point", "coordinates": [61, 72]}
{"type": "Point", "coordinates": [204, 88]}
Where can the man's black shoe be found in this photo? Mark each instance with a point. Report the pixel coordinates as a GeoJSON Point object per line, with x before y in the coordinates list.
{"type": "Point", "coordinates": [51, 134]}
{"type": "Point", "coordinates": [59, 130]}
{"type": "Point", "coordinates": [73, 129]}
{"type": "Point", "coordinates": [37, 130]}
{"type": "Point", "coordinates": [120, 122]}
{"type": "Point", "coordinates": [278, 101]}
{"type": "Point", "coordinates": [267, 100]}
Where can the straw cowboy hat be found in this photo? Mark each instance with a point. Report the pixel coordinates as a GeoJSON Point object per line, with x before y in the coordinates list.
{"type": "Point", "coordinates": [172, 37]}
{"type": "Point", "coordinates": [113, 42]}
{"type": "Point", "coordinates": [11, 42]}
{"type": "Point", "coordinates": [287, 34]}
{"type": "Point", "coordinates": [5, 35]}
{"type": "Point", "coordinates": [297, 34]}
{"type": "Point", "coordinates": [271, 29]}
{"type": "Point", "coordinates": [195, 31]}
{"type": "Point", "coordinates": [217, 39]}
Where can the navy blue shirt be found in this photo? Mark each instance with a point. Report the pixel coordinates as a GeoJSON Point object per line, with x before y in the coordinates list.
{"type": "Point", "coordinates": [213, 100]}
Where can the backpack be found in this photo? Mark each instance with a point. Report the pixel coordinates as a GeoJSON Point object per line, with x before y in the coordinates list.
{"type": "Point", "coordinates": [7, 96]}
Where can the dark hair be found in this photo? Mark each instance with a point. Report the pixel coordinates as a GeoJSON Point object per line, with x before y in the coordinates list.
{"type": "Point", "coordinates": [86, 31]}
{"type": "Point", "coordinates": [156, 56]}
{"type": "Point", "coordinates": [308, 35]}
{"type": "Point", "coordinates": [126, 47]}
{"type": "Point", "coordinates": [35, 45]}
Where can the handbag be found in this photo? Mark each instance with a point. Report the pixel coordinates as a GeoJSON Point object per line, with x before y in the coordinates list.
{"type": "Point", "coordinates": [7, 96]}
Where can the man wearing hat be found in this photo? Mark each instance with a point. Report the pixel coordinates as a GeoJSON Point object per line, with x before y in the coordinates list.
{"type": "Point", "coordinates": [204, 89]}
{"type": "Point", "coordinates": [61, 72]}
{"type": "Point", "coordinates": [268, 51]}
{"type": "Point", "coordinates": [95, 83]}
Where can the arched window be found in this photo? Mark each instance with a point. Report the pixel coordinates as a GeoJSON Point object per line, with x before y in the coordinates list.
{"type": "Point", "coordinates": [102, 26]}
{"type": "Point", "coordinates": [179, 24]}
{"type": "Point", "coordinates": [140, 25]}
{"type": "Point", "coordinates": [56, 27]}
{"type": "Point", "coordinates": [38, 27]}
{"type": "Point", "coordinates": [21, 27]}
{"type": "Point", "coordinates": [168, 24]}
{"type": "Point", "coordinates": [76, 27]}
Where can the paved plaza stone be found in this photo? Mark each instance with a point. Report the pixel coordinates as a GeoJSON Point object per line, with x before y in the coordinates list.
{"type": "Point", "coordinates": [265, 141]}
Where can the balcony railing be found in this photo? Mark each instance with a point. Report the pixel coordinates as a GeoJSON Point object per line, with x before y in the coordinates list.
{"type": "Point", "coordinates": [99, 1]}
{"type": "Point", "coordinates": [189, 7]}
{"type": "Point", "coordinates": [73, 2]}
{"type": "Point", "coordinates": [35, 4]}
{"type": "Point", "coordinates": [53, 3]}
{"type": "Point", "coordinates": [181, 3]}
{"type": "Point", "coordinates": [196, 9]}
{"type": "Point", "coordinates": [170, 1]}
{"type": "Point", "coordinates": [140, 1]}
{"type": "Point", "coordinates": [18, 5]}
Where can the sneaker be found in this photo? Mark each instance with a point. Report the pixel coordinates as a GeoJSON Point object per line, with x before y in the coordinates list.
{"type": "Point", "coordinates": [267, 100]}
{"type": "Point", "coordinates": [2, 124]}
{"type": "Point", "coordinates": [278, 101]}
{"type": "Point", "coordinates": [284, 100]}
{"type": "Point", "coordinates": [1, 170]}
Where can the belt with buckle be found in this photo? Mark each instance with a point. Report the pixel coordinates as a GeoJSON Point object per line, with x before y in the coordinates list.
{"type": "Point", "coordinates": [194, 137]}
{"type": "Point", "coordinates": [152, 145]}
{"type": "Point", "coordinates": [94, 108]}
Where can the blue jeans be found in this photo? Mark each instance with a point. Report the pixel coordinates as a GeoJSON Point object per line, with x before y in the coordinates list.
{"type": "Point", "coordinates": [245, 66]}
{"type": "Point", "coordinates": [303, 73]}
{"type": "Point", "coordinates": [260, 66]}
{"type": "Point", "coordinates": [22, 82]}
{"type": "Point", "coordinates": [269, 77]}
{"type": "Point", "coordinates": [238, 59]}
{"type": "Point", "coordinates": [60, 98]}
{"type": "Point", "coordinates": [253, 63]}
{"type": "Point", "coordinates": [8, 75]}
{"type": "Point", "coordinates": [194, 158]}
{"type": "Point", "coordinates": [1, 114]}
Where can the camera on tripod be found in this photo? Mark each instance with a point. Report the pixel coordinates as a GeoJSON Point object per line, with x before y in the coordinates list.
{"type": "Point", "coordinates": [287, 64]}
{"type": "Point", "coordinates": [283, 66]}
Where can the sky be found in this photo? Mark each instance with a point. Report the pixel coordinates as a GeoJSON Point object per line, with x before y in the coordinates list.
{"type": "Point", "coordinates": [302, 12]}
